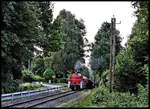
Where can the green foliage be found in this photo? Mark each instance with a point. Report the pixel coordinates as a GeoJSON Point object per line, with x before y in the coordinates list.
{"type": "Point", "coordinates": [143, 92]}
{"type": "Point", "coordinates": [72, 32]}
{"type": "Point", "coordinates": [27, 76]}
{"type": "Point", "coordinates": [132, 63]}
{"type": "Point", "coordinates": [102, 98]}
{"type": "Point", "coordinates": [104, 78]}
{"type": "Point", "coordinates": [85, 71]}
{"type": "Point", "coordinates": [26, 25]}
{"type": "Point", "coordinates": [17, 86]}
{"type": "Point", "coordinates": [101, 48]}
{"type": "Point", "coordinates": [28, 86]}
{"type": "Point", "coordinates": [56, 62]}
{"type": "Point", "coordinates": [38, 66]}
{"type": "Point", "coordinates": [38, 78]}
{"type": "Point", "coordinates": [139, 39]}
{"type": "Point", "coordinates": [126, 76]}
{"type": "Point", "coordinates": [143, 95]}
{"type": "Point", "coordinates": [146, 70]}
{"type": "Point", "coordinates": [19, 30]}
{"type": "Point", "coordinates": [48, 73]}
{"type": "Point", "coordinates": [61, 80]}
{"type": "Point", "coordinates": [48, 61]}
{"type": "Point", "coordinates": [50, 33]}
{"type": "Point", "coordinates": [10, 85]}
{"type": "Point", "coordinates": [99, 96]}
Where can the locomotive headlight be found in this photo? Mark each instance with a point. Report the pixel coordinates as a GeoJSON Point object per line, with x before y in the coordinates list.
{"type": "Point", "coordinates": [69, 84]}
{"type": "Point", "coordinates": [81, 85]}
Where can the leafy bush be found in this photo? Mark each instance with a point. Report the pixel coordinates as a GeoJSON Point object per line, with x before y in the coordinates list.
{"type": "Point", "coordinates": [61, 80]}
{"type": "Point", "coordinates": [127, 73]}
{"type": "Point", "coordinates": [38, 67]}
{"type": "Point", "coordinates": [143, 95]}
{"type": "Point", "coordinates": [104, 78]}
{"type": "Point", "coordinates": [10, 85]}
{"type": "Point", "coordinates": [48, 74]}
{"type": "Point", "coordinates": [99, 96]}
{"type": "Point", "coordinates": [38, 78]}
{"type": "Point", "coordinates": [28, 86]}
{"type": "Point", "coordinates": [27, 76]}
{"type": "Point", "coordinates": [103, 98]}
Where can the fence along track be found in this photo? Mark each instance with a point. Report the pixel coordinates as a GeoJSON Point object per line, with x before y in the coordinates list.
{"type": "Point", "coordinates": [12, 96]}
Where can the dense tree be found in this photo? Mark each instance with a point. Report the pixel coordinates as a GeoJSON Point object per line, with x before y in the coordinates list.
{"type": "Point", "coordinates": [38, 66]}
{"type": "Point", "coordinates": [48, 74]}
{"type": "Point", "coordinates": [26, 25]}
{"type": "Point", "coordinates": [100, 53]}
{"type": "Point", "coordinates": [85, 71]}
{"type": "Point", "coordinates": [72, 32]}
{"type": "Point", "coordinates": [50, 34]}
{"type": "Point", "coordinates": [19, 33]}
{"type": "Point", "coordinates": [133, 61]}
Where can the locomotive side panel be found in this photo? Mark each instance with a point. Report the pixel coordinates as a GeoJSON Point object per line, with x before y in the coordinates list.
{"type": "Point", "coordinates": [75, 81]}
{"type": "Point", "coordinates": [78, 81]}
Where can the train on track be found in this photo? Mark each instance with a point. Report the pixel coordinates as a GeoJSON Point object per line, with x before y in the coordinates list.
{"type": "Point", "coordinates": [78, 81]}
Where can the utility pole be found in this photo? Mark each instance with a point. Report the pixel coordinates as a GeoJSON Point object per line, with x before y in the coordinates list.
{"type": "Point", "coordinates": [111, 55]}
{"type": "Point", "coordinates": [112, 52]}
{"type": "Point", "coordinates": [29, 65]}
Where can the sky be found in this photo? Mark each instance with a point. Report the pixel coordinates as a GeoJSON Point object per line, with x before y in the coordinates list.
{"type": "Point", "coordinates": [95, 13]}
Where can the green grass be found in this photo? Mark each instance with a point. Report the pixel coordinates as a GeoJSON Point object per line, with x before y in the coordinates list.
{"type": "Point", "coordinates": [84, 102]}
{"type": "Point", "coordinates": [29, 86]}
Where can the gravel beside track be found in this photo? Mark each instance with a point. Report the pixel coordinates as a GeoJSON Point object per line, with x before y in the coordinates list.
{"type": "Point", "coordinates": [53, 103]}
{"type": "Point", "coordinates": [74, 99]}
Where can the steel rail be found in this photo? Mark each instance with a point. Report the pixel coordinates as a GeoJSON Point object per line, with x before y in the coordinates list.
{"type": "Point", "coordinates": [26, 101]}
{"type": "Point", "coordinates": [51, 99]}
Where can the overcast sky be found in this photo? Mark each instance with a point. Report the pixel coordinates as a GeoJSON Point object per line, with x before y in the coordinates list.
{"type": "Point", "coordinates": [95, 13]}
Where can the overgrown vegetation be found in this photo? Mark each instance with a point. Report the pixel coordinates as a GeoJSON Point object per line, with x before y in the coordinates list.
{"type": "Point", "coordinates": [131, 87]}
{"type": "Point", "coordinates": [102, 98]}
{"type": "Point", "coordinates": [28, 25]}
{"type": "Point", "coordinates": [48, 74]}
{"type": "Point", "coordinates": [132, 63]}
{"type": "Point", "coordinates": [100, 52]}
{"type": "Point", "coordinates": [28, 86]}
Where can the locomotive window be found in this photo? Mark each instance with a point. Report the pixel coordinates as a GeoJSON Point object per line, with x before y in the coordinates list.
{"type": "Point", "coordinates": [79, 74]}
{"type": "Point", "coordinates": [73, 74]}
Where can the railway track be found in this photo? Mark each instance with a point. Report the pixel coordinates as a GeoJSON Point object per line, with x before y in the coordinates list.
{"type": "Point", "coordinates": [37, 102]}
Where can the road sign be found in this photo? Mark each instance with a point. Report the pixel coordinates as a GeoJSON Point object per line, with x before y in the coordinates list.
{"type": "Point", "coordinates": [53, 76]}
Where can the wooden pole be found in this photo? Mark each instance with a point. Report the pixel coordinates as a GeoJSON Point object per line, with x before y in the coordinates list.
{"type": "Point", "coordinates": [111, 55]}
{"type": "Point", "coordinates": [113, 51]}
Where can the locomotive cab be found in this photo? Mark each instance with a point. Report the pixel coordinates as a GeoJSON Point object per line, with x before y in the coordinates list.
{"type": "Point", "coordinates": [76, 81]}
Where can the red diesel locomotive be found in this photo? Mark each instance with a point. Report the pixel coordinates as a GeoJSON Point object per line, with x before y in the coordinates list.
{"type": "Point", "coordinates": [78, 81]}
